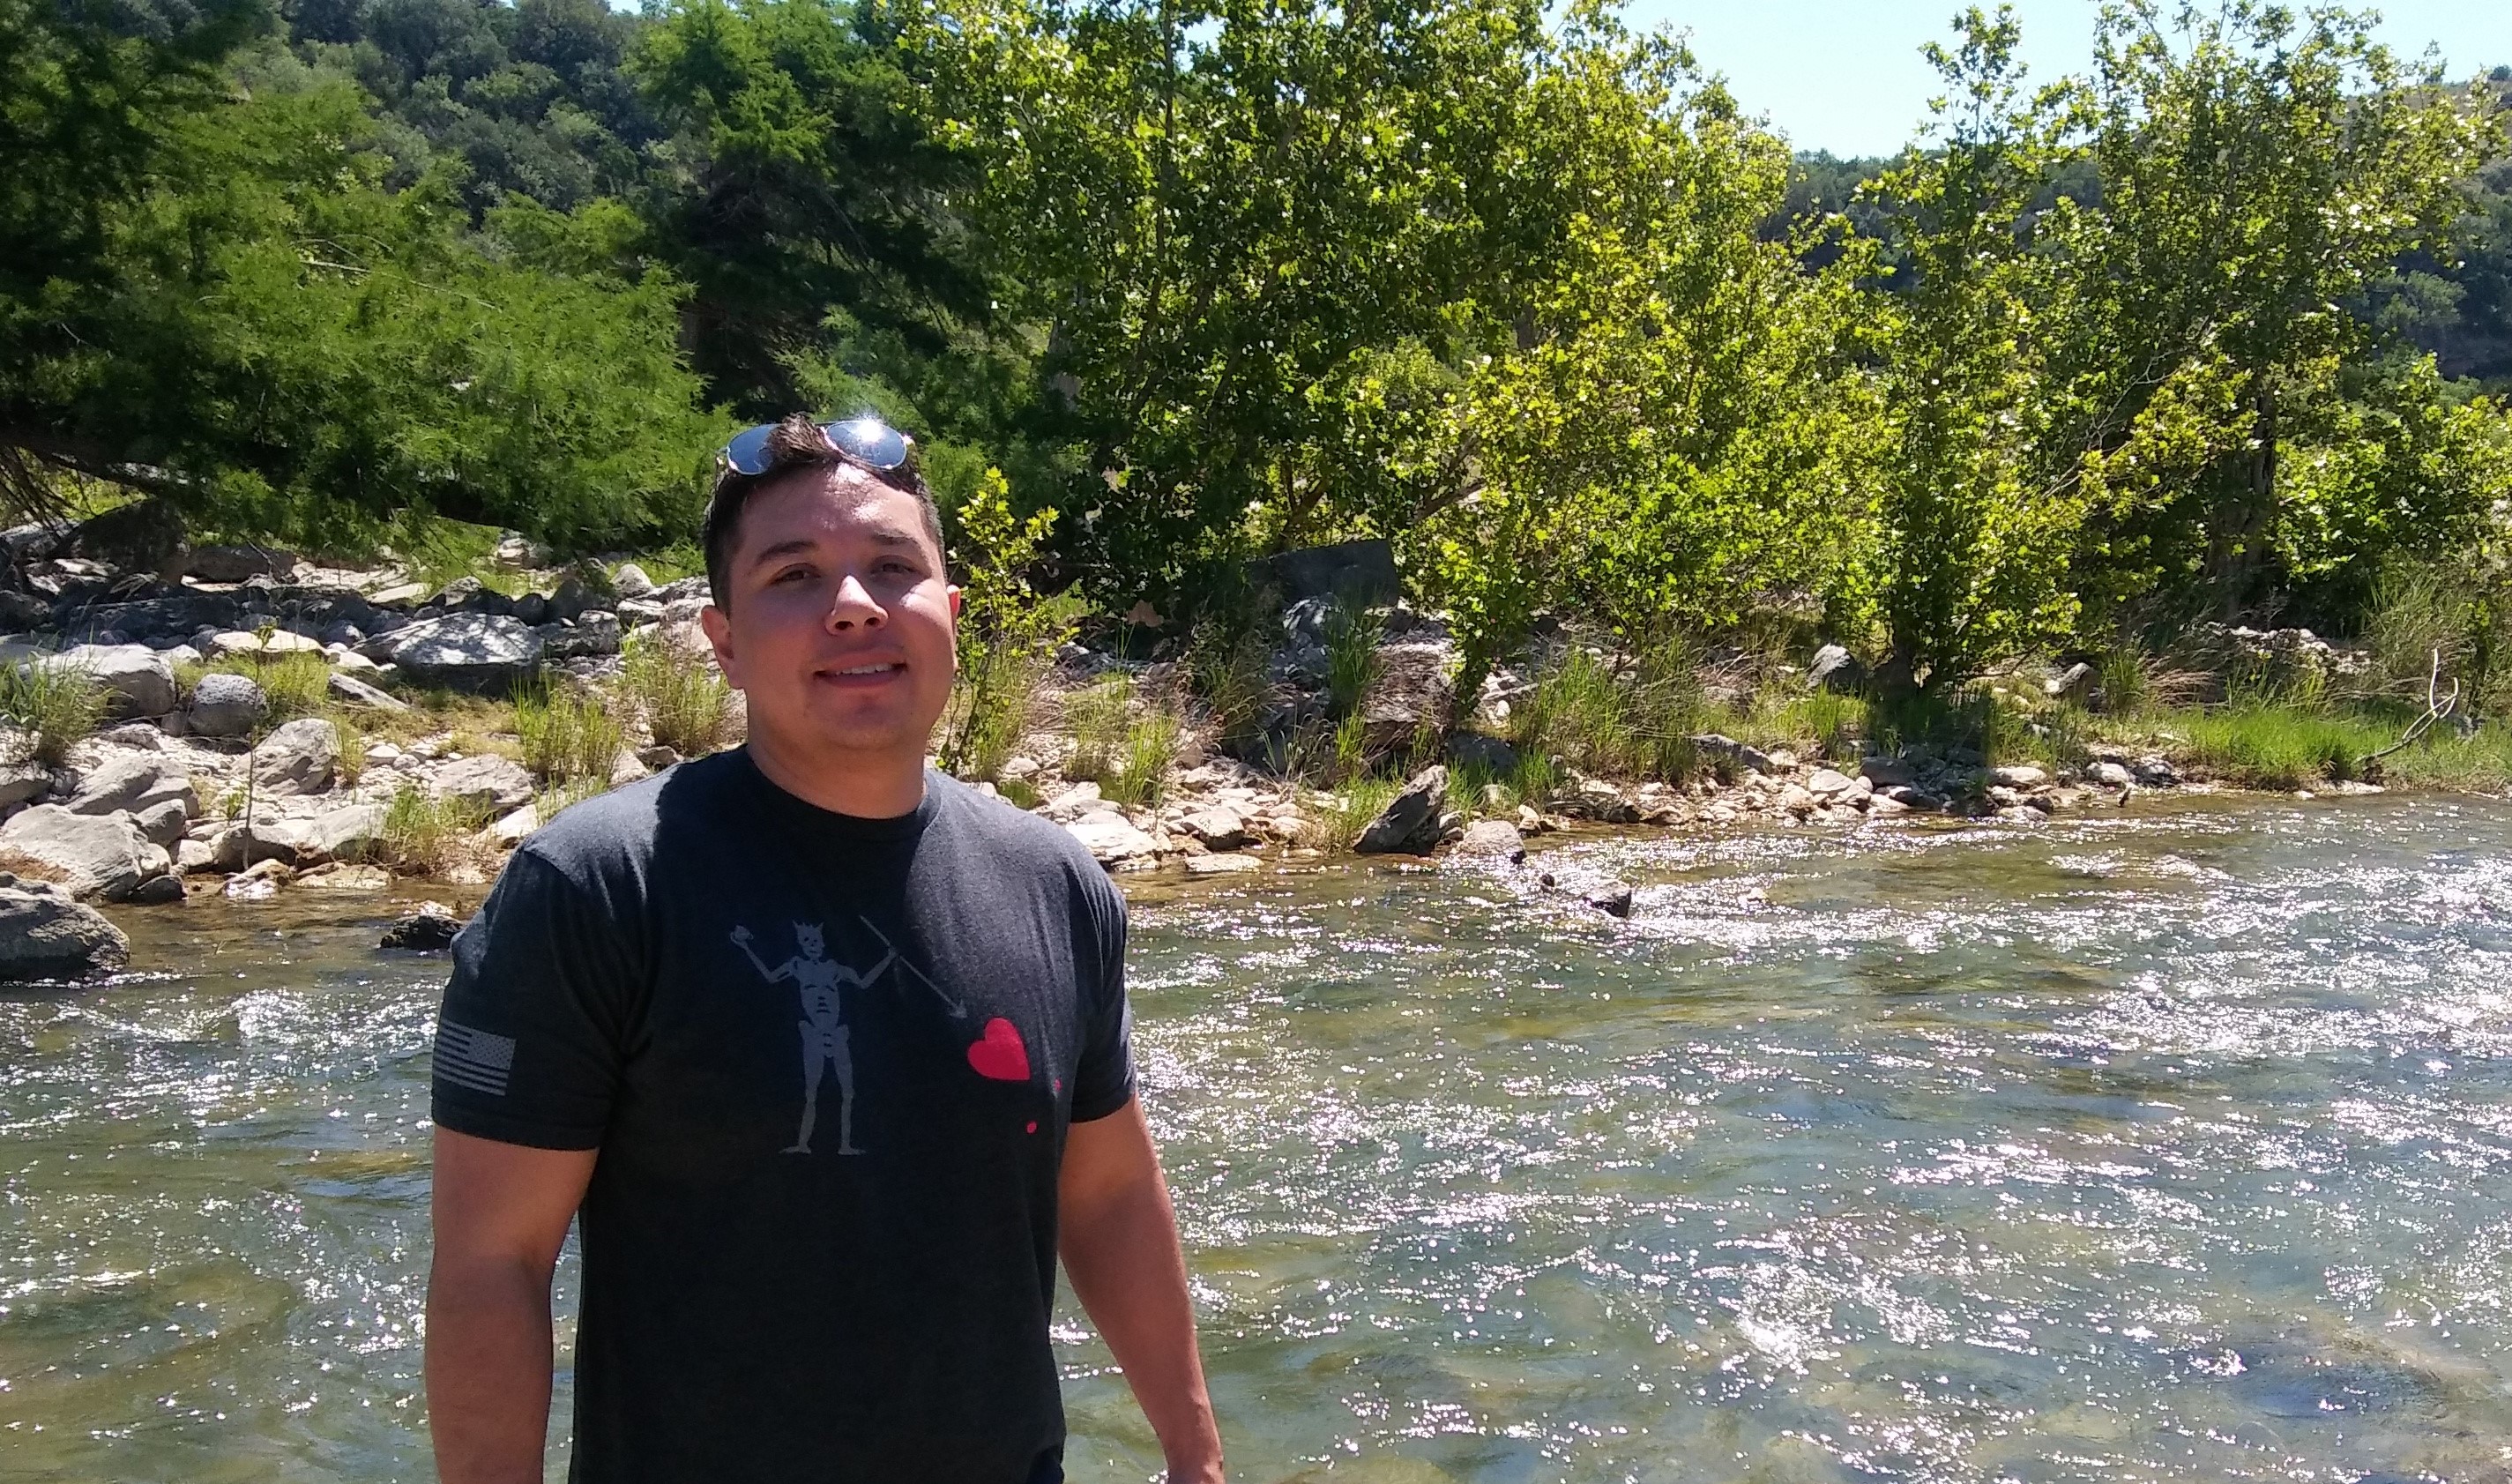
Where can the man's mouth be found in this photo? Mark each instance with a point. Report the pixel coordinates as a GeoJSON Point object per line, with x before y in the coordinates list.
{"type": "Point", "coordinates": [880, 669]}
{"type": "Point", "coordinates": [870, 673]}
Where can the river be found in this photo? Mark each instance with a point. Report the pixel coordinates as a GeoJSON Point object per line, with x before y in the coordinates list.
{"type": "Point", "coordinates": [2170, 1146]}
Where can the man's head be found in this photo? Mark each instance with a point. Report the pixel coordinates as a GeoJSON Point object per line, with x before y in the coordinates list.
{"type": "Point", "coordinates": [832, 609]}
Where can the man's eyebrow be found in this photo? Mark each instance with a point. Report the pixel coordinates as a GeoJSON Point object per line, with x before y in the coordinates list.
{"type": "Point", "coordinates": [892, 535]}
{"type": "Point", "coordinates": [796, 547]}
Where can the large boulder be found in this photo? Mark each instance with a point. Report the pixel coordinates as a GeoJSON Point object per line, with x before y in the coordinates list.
{"type": "Point", "coordinates": [631, 581]}
{"type": "Point", "coordinates": [46, 935]}
{"type": "Point", "coordinates": [1359, 572]}
{"type": "Point", "coordinates": [1411, 819]}
{"type": "Point", "coordinates": [297, 757]}
{"type": "Point", "coordinates": [483, 653]}
{"type": "Point", "coordinates": [226, 705]}
{"type": "Point", "coordinates": [1489, 756]}
{"type": "Point", "coordinates": [487, 782]}
{"type": "Point", "coordinates": [344, 834]}
{"type": "Point", "coordinates": [1111, 841]}
{"type": "Point", "coordinates": [133, 783]}
{"type": "Point", "coordinates": [100, 855]}
{"type": "Point", "coordinates": [1836, 669]}
{"type": "Point", "coordinates": [138, 680]}
{"type": "Point", "coordinates": [23, 782]}
{"type": "Point", "coordinates": [1408, 696]}
{"type": "Point", "coordinates": [238, 563]}
{"type": "Point", "coordinates": [358, 692]}
{"type": "Point", "coordinates": [1493, 836]}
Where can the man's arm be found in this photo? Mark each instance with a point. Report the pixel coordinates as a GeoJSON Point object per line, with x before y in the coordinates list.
{"type": "Point", "coordinates": [501, 1212]}
{"type": "Point", "coordinates": [1119, 1236]}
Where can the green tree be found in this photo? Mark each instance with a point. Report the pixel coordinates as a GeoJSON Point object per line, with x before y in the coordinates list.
{"type": "Point", "coordinates": [2258, 171]}
{"type": "Point", "coordinates": [249, 323]}
{"type": "Point", "coordinates": [1968, 558]}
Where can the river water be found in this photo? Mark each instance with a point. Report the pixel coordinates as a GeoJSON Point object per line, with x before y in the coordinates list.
{"type": "Point", "coordinates": [2165, 1147]}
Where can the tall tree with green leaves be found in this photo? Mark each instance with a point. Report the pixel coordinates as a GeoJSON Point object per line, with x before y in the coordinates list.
{"type": "Point", "coordinates": [2259, 170]}
{"type": "Point", "coordinates": [1968, 556]}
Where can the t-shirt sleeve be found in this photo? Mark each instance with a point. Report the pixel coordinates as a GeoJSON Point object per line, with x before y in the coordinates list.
{"type": "Point", "coordinates": [1104, 1081]}
{"type": "Point", "coordinates": [529, 1038]}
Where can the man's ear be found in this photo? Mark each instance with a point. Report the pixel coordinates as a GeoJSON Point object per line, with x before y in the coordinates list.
{"type": "Point", "coordinates": [719, 632]}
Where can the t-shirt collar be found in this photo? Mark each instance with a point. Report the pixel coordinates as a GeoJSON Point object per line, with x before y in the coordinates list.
{"type": "Point", "coordinates": [818, 822]}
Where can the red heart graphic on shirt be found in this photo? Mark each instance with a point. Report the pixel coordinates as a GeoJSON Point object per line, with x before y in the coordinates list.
{"type": "Point", "coordinates": [1000, 1055]}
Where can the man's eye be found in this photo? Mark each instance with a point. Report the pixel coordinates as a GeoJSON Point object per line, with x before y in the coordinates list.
{"type": "Point", "coordinates": [792, 573]}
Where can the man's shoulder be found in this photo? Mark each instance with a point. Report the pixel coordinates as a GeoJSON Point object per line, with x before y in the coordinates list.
{"type": "Point", "coordinates": [627, 826]}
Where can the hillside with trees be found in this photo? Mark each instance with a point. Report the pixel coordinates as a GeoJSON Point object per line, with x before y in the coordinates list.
{"type": "Point", "coordinates": [2213, 327]}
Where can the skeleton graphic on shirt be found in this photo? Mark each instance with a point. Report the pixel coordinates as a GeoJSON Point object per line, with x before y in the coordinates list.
{"type": "Point", "coordinates": [817, 977]}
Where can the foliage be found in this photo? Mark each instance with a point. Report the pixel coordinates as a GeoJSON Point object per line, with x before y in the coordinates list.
{"type": "Point", "coordinates": [53, 704]}
{"type": "Point", "coordinates": [684, 702]}
{"type": "Point", "coordinates": [1007, 634]}
{"type": "Point", "coordinates": [1353, 632]}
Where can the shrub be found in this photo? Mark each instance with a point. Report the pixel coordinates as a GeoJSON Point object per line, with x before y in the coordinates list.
{"type": "Point", "coordinates": [54, 703]}
{"type": "Point", "coordinates": [1628, 721]}
{"type": "Point", "coordinates": [683, 699]}
{"type": "Point", "coordinates": [566, 736]}
{"type": "Point", "coordinates": [1007, 634]}
{"type": "Point", "coordinates": [1229, 673]}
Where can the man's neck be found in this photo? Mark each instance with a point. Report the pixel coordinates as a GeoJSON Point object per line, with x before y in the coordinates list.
{"type": "Point", "coordinates": [863, 785]}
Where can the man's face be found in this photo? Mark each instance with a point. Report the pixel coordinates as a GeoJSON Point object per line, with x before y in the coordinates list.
{"type": "Point", "coordinates": [843, 617]}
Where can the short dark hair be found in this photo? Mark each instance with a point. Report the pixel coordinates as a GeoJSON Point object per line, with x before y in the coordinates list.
{"type": "Point", "coordinates": [797, 444]}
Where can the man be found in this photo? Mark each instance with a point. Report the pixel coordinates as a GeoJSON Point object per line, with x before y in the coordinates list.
{"type": "Point", "coordinates": [651, 1017]}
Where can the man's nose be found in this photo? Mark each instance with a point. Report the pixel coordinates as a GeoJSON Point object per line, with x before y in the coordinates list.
{"type": "Point", "coordinates": [854, 607]}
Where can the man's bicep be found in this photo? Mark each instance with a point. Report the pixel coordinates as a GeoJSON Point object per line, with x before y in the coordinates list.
{"type": "Point", "coordinates": [1106, 1154]}
{"type": "Point", "coordinates": [504, 1202]}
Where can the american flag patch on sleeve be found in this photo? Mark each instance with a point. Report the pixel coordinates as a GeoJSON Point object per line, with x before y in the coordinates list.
{"type": "Point", "coordinates": [474, 1058]}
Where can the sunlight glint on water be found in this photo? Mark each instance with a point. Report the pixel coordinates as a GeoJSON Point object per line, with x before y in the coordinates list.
{"type": "Point", "coordinates": [2164, 1147]}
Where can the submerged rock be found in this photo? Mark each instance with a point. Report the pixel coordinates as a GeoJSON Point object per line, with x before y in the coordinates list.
{"type": "Point", "coordinates": [432, 926]}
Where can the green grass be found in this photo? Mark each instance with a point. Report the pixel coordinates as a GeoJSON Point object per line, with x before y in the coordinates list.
{"type": "Point", "coordinates": [671, 563]}
{"type": "Point", "coordinates": [424, 834]}
{"type": "Point", "coordinates": [1097, 714]}
{"type": "Point", "coordinates": [1350, 811]}
{"type": "Point", "coordinates": [1636, 721]}
{"type": "Point", "coordinates": [1352, 632]}
{"type": "Point", "coordinates": [55, 706]}
{"type": "Point", "coordinates": [1141, 777]}
{"type": "Point", "coordinates": [566, 736]}
{"type": "Point", "coordinates": [683, 701]}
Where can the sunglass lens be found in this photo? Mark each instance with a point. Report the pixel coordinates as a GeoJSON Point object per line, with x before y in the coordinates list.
{"type": "Point", "coordinates": [871, 440]}
{"type": "Point", "coordinates": [747, 454]}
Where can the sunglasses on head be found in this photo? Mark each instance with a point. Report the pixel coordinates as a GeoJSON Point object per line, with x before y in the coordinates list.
{"type": "Point", "coordinates": [867, 441]}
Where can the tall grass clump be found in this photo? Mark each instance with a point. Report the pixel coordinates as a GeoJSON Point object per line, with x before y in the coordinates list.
{"type": "Point", "coordinates": [1229, 671]}
{"type": "Point", "coordinates": [1098, 714]}
{"type": "Point", "coordinates": [425, 833]}
{"type": "Point", "coordinates": [1352, 632]}
{"type": "Point", "coordinates": [1142, 775]}
{"type": "Point", "coordinates": [296, 685]}
{"type": "Point", "coordinates": [54, 703]}
{"type": "Point", "coordinates": [566, 736]}
{"type": "Point", "coordinates": [682, 700]}
{"type": "Point", "coordinates": [1630, 720]}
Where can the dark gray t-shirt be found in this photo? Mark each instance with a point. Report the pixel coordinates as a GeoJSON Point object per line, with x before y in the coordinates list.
{"type": "Point", "coordinates": [829, 1064]}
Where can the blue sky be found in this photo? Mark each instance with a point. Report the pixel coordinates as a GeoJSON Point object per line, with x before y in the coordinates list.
{"type": "Point", "coordinates": [1847, 77]}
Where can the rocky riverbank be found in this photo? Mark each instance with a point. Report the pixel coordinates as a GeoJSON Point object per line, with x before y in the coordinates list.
{"type": "Point", "coordinates": [195, 784]}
